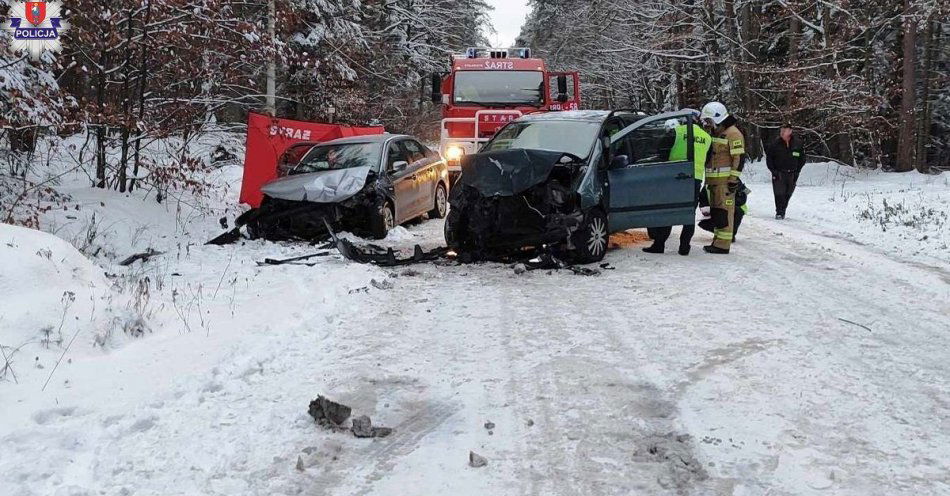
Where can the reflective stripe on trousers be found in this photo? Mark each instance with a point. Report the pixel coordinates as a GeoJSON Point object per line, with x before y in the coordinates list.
{"type": "Point", "coordinates": [724, 201]}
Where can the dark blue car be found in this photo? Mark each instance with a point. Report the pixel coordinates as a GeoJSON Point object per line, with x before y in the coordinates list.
{"type": "Point", "coordinates": [567, 180]}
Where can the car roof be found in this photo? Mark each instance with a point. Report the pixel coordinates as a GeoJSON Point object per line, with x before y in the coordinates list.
{"type": "Point", "coordinates": [582, 115]}
{"type": "Point", "coordinates": [568, 115]}
{"type": "Point", "coordinates": [369, 138]}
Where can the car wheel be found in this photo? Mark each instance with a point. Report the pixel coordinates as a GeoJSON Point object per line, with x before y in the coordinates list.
{"type": "Point", "coordinates": [591, 238]}
{"type": "Point", "coordinates": [384, 220]}
{"type": "Point", "coordinates": [441, 206]}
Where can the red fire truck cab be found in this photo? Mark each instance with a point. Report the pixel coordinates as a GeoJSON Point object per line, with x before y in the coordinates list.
{"type": "Point", "coordinates": [488, 87]}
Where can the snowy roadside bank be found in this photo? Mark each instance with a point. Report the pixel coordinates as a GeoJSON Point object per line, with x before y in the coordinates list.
{"type": "Point", "coordinates": [906, 215]}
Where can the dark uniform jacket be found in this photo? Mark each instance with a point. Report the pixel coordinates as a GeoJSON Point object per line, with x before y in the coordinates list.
{"type": "Point", "coordinates": [780, 157]}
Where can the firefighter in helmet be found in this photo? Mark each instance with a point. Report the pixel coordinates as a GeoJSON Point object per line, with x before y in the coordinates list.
{"type": "Point", "coordinates": [723, 172]}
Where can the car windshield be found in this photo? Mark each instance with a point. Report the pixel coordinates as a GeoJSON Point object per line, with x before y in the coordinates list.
{"type": "Point", "coordinates": [574, 137]}
{"type": "Point", "coordinates": [334, 157]}
{"type": "Point", "coordinates": [499, 87]}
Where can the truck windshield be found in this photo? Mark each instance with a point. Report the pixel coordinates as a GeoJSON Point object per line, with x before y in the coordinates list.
{"type": "Point", "coordinates": [499, 87]}
{"type": "Point", "coordinates": [333, 157]}
{"type": "Point", "coordinates": [574, 137]}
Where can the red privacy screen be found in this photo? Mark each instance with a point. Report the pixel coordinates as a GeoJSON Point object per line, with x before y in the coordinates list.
{"type": "Point", "coordinates": [268, 138]}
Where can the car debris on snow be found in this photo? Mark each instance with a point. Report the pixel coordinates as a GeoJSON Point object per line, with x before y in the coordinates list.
{"type": "Point", "coordinates": [363, 427]}
{"type": "Point", "coordinates": [372, 254]}
{"type": "Point", "coordinates": [386, 257]}
{"type": "Point", "coordinates": [144, 256]}
{"type": "Point", "coordinates": [329, 413]}
{"type": "Point", "coordinates": [584, 271]}
{"type": "Point", "coordinates": [547, 261]}
{"type": "Point", "coordinates": [383, 285]}
{"type": "Point", "coordinates": [489, 425]}
{"type": "Point", "coordinates": [293, 260]}
{"type": "Point", "coordinates": [475, 460]}
{"type": "Point", "coordinates": [333, 415]}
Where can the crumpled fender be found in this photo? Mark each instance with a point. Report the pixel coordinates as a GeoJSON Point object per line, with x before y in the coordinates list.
{"type": "Point", "coordinates": [508, 172]}
{"type": "Point", "coordinates": [330, 186]}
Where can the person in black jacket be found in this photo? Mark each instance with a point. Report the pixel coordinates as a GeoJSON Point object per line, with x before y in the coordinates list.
{"type": "Point", "coordinates": [785, 157]}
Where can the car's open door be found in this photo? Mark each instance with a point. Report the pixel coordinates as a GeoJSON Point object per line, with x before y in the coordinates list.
{"type": "Point", "coordinates": [648, 189]}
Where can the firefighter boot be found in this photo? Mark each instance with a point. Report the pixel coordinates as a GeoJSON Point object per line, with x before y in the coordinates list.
{"type": "Point", "coordinates": [715, 250]}
{"type": "Point", "coordinates": [655, 248]}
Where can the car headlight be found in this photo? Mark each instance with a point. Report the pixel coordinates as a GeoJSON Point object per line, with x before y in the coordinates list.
{"type": "Point", "coordinates": [454, 153]}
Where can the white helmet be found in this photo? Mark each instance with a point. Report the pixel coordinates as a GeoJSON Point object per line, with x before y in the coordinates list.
{"type": "Point", "coordinates": [715, 112]}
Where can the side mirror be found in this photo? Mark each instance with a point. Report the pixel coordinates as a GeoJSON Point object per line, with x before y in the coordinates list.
{"type": "Point", "coordinates": [562, 88]}
{"type": "Point", "coordinates": [620, 162]}
{"type": "Point", "coordinates": [400, 166]}
{"type": "Point", "coordinates": [436, 88]}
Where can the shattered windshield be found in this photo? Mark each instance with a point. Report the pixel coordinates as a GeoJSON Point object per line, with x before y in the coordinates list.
{"type": "Point", "coordinates": [574, 137]}
{"type": "Point", "coordinates": [499, 87]}
{"type": "Point", "coordinates": [335, 157]}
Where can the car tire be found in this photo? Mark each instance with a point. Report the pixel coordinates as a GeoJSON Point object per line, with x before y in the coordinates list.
{"type": "Point", "coordinates": [591, 237]}
{"type": "Point", "coordinates": [440, 202]}
{"type": "Point", "coordinates": [384, 219]}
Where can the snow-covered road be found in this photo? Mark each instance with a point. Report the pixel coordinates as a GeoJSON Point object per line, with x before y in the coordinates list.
{"type": "Point", "coordinates": [666, 375]}
{"type": "Point", "coordinates": [810, 361]}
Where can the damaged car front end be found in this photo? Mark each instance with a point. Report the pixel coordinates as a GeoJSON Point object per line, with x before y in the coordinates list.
{"type": "Point", "coordinates": [530, 188]}
{"type": "Point", "coordinates": [512, 199]}
{"type": "Point", "coordinates": [300, 206]}
{"type": "Point", "coordinates": [366, 185]}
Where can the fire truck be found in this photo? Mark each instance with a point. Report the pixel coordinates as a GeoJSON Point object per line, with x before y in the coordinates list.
{"type": "Point", "coordinates": [488, 87]}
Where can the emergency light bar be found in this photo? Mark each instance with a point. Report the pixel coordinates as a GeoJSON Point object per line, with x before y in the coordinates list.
{"type": "Point", "coordinates": [497, 53]}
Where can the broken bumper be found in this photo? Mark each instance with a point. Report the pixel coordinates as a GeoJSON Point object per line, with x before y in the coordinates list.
{"type": "Point", "coordinates": [280, 220]}
{"type": "Point", "coordinates": [507, 223]}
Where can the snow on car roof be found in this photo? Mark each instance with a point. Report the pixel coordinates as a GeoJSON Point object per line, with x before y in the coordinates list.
{"type": "Point", "coordinates": [569, 115]}
{"type": "Point", "coordinates": [369, 138]}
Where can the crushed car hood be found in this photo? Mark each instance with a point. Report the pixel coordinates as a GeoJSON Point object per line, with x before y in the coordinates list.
{"type": "Point", "coordinates": [319, 187]}
{"type": "Point", "coordinates": [508, 172]}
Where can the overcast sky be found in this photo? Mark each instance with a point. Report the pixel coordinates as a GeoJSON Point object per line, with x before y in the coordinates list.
{"type": "Point", "coordinates": [507, 18]}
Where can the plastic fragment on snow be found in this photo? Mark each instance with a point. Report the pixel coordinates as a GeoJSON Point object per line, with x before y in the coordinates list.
{"type": "Point", "coordinates": [328, 413]}
{"type": "Point", "coordinates": [363, 428]}
{"type": "Point", "coordinates": [144, 256]}
{"type": "Point", "coordinates": [475, 460]}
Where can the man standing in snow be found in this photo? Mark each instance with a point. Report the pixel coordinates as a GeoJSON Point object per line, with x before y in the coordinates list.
{"type": "Point", "coordinates": [723, 173]}
{"type": "Point", "coordinates": [785, 157]}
